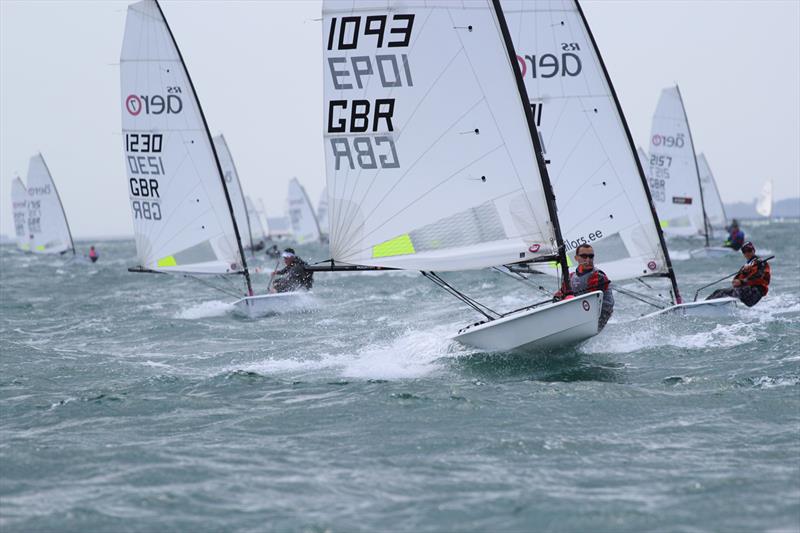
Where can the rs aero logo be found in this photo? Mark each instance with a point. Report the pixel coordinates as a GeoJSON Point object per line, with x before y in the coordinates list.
{"type": "Point", "coordinates": [155, 104]}
{"type": "Point", "coordinates": [668, 140]}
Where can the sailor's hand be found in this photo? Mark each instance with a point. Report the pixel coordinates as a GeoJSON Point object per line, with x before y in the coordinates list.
{"type": "Point", "coordinates": [558, 295]}
{"type": "Point", "coordinates": [736, 283]}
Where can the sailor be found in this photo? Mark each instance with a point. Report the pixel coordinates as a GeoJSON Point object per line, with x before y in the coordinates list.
{"type": "Point", "coordinates": [294, 274]}
{"type": "Point", "coordinates": [751, 283]}
{"type": "Point", "coordinates": [587, 278]}
{"type": "Point", "coordinates": [93, 255]}
{"type": "Point", "coordinates": [273, 251]}
{"type": "Point", "coordinates": [735, 236]}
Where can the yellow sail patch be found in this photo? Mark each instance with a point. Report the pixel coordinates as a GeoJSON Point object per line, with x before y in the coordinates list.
{"type": "Point", "coordinates": [168, 261]}
{"type": "Point", "coordinates": [664, 224]}
{"type": "Point", "coordinates": [40, 248]}
{"type": "Point", "coordinates": [401, 245]}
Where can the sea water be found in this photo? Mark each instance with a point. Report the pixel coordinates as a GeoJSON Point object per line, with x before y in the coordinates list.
{"type": "Point", "coordinates": [142, 402]}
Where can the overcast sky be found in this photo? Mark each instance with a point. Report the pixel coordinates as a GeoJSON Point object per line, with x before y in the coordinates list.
{"type": "Point", "coordinates": [257, 69]}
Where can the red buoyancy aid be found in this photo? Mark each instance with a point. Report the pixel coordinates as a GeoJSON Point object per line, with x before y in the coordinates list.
{"type": "Point", "coordinates": [755, 274]}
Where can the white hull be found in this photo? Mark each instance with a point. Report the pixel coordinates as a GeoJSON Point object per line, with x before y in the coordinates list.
{"type": "Point", "coordinates": [274, 304]}
{"type": "Point", "coordinates": [710, 252]}
{"type": "Point", "coordinates": [542, 328]}
{"type": "Point", "coordinates": [710, 308]}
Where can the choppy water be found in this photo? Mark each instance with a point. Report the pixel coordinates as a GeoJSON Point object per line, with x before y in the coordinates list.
{"type": "Point", "coordinates": [142, 403]}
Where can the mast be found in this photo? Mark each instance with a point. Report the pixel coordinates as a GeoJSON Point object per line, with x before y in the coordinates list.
{"type": "Point", "coordinates": [213, 151]}
{"type": "Point", "coordinates": [696, 168]}
{"type": "Point", "coordinates": [550, 197]}
{"type": "Point", "coordinates": [656, 223]}
{"type": "Point", "coordinates": [241, 192]}
{"type": "Point", "coordinates": [63, 213]}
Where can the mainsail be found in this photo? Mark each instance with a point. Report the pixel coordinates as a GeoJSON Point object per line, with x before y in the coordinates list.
{"type": "Point", "coordinates": [322, 211]}
{"type": "Point", "coordinates": [764, 201]}
{"type": "Point", "coordinates": [48, 228]}
{"type": "Point", "coordinates": [305, 227]}
{"type": "Point", "coordinates": [234, 189]}
{"type": "Point", "coordinates": [602, 194]}
{"type": "Point", "coordinates": [256, 227]}
{"type": "Point", "coordinates": [430, 159]}
{"type": "Point", "coordinates": [715, 209]}
{"type": "Point", "coordinates": [182, 213]}
{"type": "Point", "coordinates": [674, 176]}
{"type": "Point", "coordinates": [19, 208]}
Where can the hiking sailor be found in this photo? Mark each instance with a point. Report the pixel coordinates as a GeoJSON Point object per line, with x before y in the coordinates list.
{"type": "Point", "coordinates": [751, 283]}
{"type": "Point", "coordinates": [586, 278]}
{"type": "Point", "coordinates": [294, 274]}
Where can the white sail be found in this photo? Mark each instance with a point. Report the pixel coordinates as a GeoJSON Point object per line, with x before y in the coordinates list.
{"type": "Point", "coordinates": [181, 216]}
{"type": "Point", "coordinates": [234, 189]}
{"type": "Point", "coordinates": [47, 222]}
{"type": "Point", "coordinates": [764, 201]}
{"type": "Point", "coordinates": [429, 159]}
{"type": "Point", "coordinates": [715, 209]}
{"type": "Point", "coordinates": [19, 208]}
{"type": "Point", "coordinates": [322, 212]}
{"type": "Point", "coordinates": [256, 228]}
{"type": "Point", "coordinates": [305, 227]}
{"type": "Point", "coordinates": [279, 227]}
{"type": "Point", "coordinates": [601, 194]}
{"type": "Point", "coordinates": [674, 183]}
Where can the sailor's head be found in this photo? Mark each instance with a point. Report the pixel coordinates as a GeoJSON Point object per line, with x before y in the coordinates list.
{"type": "Point", "coordinates": [288, 256]}
{"type": "Point", "coordinates": [735, 224]}
{"type": "Point", "coordinates": [748, 250]}
{"type": "Point", "coordinates": [584, 255]}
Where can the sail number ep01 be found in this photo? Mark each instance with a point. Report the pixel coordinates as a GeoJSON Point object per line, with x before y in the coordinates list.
{"type": "Point", "coordinates": [360, 131]}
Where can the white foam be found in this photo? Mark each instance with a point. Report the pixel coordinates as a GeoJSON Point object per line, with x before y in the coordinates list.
{"type": "Point", "coordinates": [680, 255]}
{"type": "Point", "coordinates": [205, 310]}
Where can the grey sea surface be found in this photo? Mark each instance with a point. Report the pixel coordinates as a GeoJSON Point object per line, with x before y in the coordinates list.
{"type": "Point", "coordinates": [135, 402]}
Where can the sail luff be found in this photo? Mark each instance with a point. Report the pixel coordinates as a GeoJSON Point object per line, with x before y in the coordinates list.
{"type": "Point", "coordinates": [19, 208]}
{"type": "Point", "coordinates": [239, 187]}
{"type": "Point", "coordinates": [61, 205]}
{"type": "Point", "coordinates": [696, 168]}
{"type": "Point", "coordinates": [635, 155]}
{"type": "Point", "coordinates": [550, 197]}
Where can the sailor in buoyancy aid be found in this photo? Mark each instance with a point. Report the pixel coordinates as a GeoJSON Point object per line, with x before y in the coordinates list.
{"type": "Point", "coordinates": [751, 283]}
{"type": "Point", "coordinates": [735, 236]}
{"type": "Point", "coordinates": [295, 275]}
{"type": "Point", "coordinates": [93, 255]}
{"type": "Point", "coordinates": [586, 278]}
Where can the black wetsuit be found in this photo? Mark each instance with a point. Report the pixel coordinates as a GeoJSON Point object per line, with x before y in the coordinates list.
{"type": "Point", "coordinates": [295, 277]}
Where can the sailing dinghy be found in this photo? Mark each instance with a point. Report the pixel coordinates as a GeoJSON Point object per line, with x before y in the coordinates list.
{"type": "Point", "coordinates": [19, 208]}
{"type": "Point", "coordinates": [764, 201]}
{"type": "Point", "coordinates": [240, 211]}
{"type": "Point", "coordinates": [182, 211]}
{"type": "Point", "coordinates": [433, 162]}
{"type": "Point", "coordinates": [305, 227]}
{"type": "Point", "coordinates": [254, 222]}
{"type": "Point", "coordinates": [597, 173]}
{"type": "Point", "coordinates": [48, 228]}
{"type": "Point", "coordinates": [715, 210]}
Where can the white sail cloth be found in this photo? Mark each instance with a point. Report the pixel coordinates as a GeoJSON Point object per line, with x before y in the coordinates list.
{"type": "Point", "coordinates": [429, 160]}
{"type": "Point", "coordinates": [715, 210]}
{"type": "Point", "coordinates": [305, 227]}
{"type": "Point", "coordinates": [601, 193]}
{"type": "Point", "coordinates": [256, 227]}
{"type": "Point", "coordinates": [234, 189]}
{"type": "Point", "coordinates": [19, 208]}
{"type": "Point", "coordinates": [48, 230]}
{"type": "Point", "coordinates": [764, 201]}
{"type": "Point", "coordinates": [674, 182]}
{"type": "Point", "coordinates": [181, 218]}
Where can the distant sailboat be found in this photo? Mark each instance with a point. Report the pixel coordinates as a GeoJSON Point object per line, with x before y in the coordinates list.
{"type": "Point", "coordinates": [602, 192]}
{"type": "Point", "coordinates": [257, 230]}
{"type": "Point", "coordinates": [447, 174]}
{"type": "Point", "coordinates": [305, 227]}
{"type": "Point", "coordinates": [19, 208]}
{"type": "Point", "coordinates": [240, 211]}
{"type": "Point", "coordinates": [764, 200]}
{"type": "Point", "coordinates": [48, 228]}
{"type": "Point", "coordinates": [715, 209]}
{"type": "Point", "coordinates": [322, 213]}
{"type": "Point", "coordinates": [183, 216]}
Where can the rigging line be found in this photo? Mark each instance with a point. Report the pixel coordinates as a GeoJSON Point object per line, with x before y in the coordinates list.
{"type": "Point", "coordinates": [475, 305]}
{"type": "Point", "coordinates": [212, 286]}
{"type": "Point", "coordinates": [519, 277]}
{"type": "Point", "coordinates": [640, 297]}
{"type": "Point", "coordinates": [640, 280]}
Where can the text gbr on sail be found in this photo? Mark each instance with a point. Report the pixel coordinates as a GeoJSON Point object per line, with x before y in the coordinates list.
{"type": "Point", "coordinates": [372, 118]}
{"type": "Point", "coordinates": [145, 167]}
